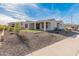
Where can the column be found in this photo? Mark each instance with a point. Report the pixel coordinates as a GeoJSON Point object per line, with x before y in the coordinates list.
{"type": "Point", "coordinates": [40, 26]}
{"type": "Point", "coordinates": [44, 25]}
{"type": "Point", "coordinates": [28, 26]}
{"type": "Point", "coordinates": [34, 25]}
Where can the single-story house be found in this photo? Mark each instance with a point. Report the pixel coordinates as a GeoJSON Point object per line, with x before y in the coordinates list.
{"type": "Point", "coordinates": [46, 25]}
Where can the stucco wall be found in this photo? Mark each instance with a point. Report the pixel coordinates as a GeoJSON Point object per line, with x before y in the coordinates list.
{"type": "Point", "coordinates": [53, 25]}
{"type": "Point", "coordinates": [61, 25]}
{"type": "Point", "coordinates": [31, 25]}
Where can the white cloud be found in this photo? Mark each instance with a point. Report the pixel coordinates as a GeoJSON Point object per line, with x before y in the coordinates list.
{"type": "Point", "coordinates": [40, 13]}
{"type": "Point", "coordinates": [33, 5]}
{"type": "Point", "coordinates": [13, 8]}
{"type": "Point", "coordinates": [6, 19]}
{"type": "Point", "coordinates": [9, 6]}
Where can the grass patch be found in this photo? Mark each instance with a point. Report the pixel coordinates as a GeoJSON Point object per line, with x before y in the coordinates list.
{"type": "Point", "coordinates": [33, 31]}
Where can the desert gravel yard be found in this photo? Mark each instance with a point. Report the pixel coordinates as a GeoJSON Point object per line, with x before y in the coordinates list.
{"type": "Point", "coordinates": [13, 46]}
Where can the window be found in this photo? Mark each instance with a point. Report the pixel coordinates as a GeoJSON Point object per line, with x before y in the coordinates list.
{"type": "Point", "coordinates": [47, 25]}
{"type": "Point", "coordinates": [26, 25]}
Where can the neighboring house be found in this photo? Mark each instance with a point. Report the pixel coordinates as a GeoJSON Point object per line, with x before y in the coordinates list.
{"type": "Point", "coordinates": [71, 26]}
{"type": "Point", "coordinates": [46, 25]}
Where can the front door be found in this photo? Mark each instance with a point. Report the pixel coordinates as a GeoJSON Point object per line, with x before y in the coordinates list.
{"type": "Point", "coordinates": [37, 26]}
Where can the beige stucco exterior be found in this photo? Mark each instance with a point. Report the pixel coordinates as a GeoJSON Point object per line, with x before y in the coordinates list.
{"type": "Point", "coordinates": [45, 25]}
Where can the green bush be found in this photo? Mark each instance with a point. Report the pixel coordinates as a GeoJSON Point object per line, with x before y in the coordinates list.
{"type": "Point", "coordinates": [2, 27]}
{"type": "Point", "coordinates": [67, 30]}
{"type": "Point", "coordinates": [11, 28]}
{"type": "Point", "coordinates": [17, 28]}
{"type": "Point", "coordinates": [6, 27]}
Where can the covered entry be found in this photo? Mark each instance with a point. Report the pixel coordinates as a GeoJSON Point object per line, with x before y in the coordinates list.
{"type": "Point", "coordinates": [42, 25]}
{"type": "Point", "coordinates": [38, 26]}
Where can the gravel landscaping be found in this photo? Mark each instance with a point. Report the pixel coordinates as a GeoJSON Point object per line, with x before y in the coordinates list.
{"type": "Point", "coordinates": [13, 46]}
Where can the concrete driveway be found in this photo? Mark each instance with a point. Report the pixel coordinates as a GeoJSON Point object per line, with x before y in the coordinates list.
{"type": "Point", "coordinates": [67, 47]}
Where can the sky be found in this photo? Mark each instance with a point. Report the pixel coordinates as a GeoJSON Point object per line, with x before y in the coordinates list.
{"type": "Point", "coordinates": [39, 11]}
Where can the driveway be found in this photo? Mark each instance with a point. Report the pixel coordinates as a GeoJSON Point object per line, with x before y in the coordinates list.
{"type": "Point", "coordinates": [67, 47]}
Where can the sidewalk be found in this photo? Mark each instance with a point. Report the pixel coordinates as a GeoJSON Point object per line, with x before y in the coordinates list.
{"type": "Point", "coordinates": [67, 47]}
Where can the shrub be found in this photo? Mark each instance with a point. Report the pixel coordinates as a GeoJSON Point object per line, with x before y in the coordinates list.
{"type": "Point", "coordinates": [17, 28]}
{"type": "Point", "coordinates": [2, 27]}
{"type": "Point", "coordinates": [6, 27]}
{"type": "Point", "coordinates": [67, 30]}
{"type": "Point", "coordinates": [11, 28]}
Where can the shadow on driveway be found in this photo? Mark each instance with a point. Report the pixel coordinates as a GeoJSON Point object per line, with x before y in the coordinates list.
{"type": "Point", "coordinates": [67, 34]}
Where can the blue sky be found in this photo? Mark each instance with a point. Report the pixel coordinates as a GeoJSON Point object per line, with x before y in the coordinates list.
{"type": "Point", "coordinates": [40, 11]}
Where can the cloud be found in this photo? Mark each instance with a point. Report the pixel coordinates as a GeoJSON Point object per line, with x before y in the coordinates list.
{"type": "Point", "coordinates": [74, 13]}
{"type": "Point", "coordinates": [31, 11]}
{"type": "Point", "coordinates": [15, 12]}
{"type": "Point", "coordinates": [11, 13]}
{"type": "Point", "coordinates": [9, 6]}
{"type": "Point", "coordinates": [33, 5]}
{"type": "Point", "coordinates": [23, 11]}
{"type": "Point", "coordinates": [6, 19]}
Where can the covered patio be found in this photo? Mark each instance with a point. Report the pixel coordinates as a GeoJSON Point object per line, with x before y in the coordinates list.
{"type": "Point", "coordinates": [40, 26]}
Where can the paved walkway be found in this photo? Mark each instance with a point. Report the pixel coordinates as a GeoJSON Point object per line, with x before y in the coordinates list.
{"type": "Point", "coordinates": [67, 47]}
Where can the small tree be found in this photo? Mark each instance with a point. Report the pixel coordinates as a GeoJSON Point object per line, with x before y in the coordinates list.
{"type": "Point", "coordinates": [10, 29]}
{"type": "Point", "coordinates": [17, 28]}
